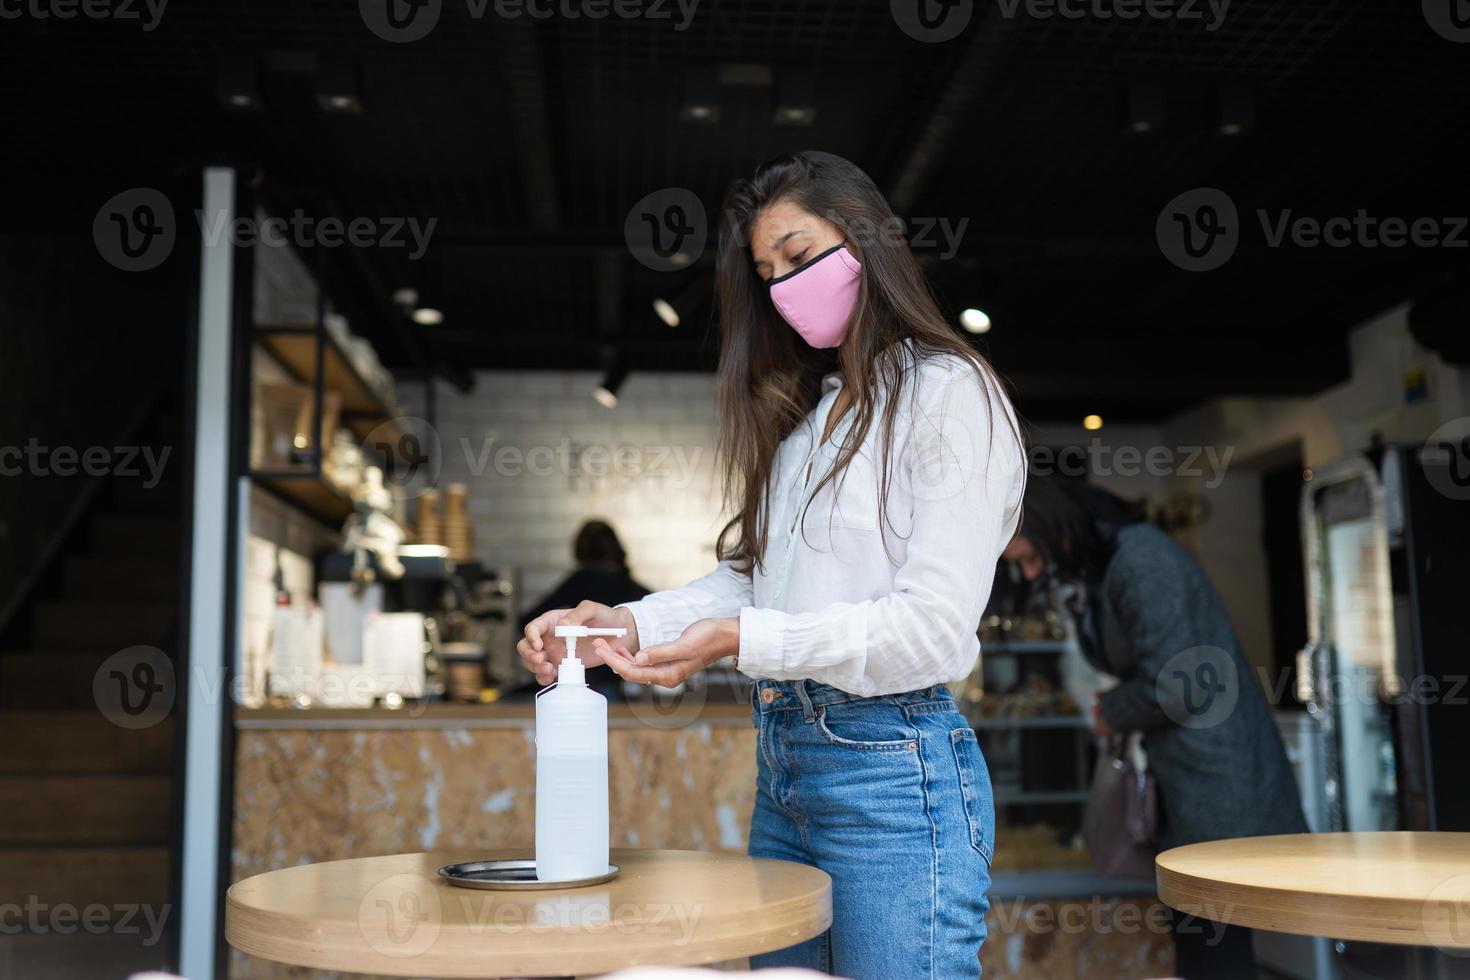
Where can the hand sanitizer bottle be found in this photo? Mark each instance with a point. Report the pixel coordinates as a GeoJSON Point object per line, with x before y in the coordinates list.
{"type": "Point", "coordinates": [571, 770]}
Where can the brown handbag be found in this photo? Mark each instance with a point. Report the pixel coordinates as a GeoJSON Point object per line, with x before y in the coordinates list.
{"type": "Point", "coordinates": [1120, 824]}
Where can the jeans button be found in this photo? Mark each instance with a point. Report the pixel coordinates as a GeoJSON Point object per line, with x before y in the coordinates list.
{"type": "Point", "coordinates": [767, 696]}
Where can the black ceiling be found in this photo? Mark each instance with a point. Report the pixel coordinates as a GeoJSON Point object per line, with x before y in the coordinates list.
{"type": "Point", "coordinates": [529, 141]}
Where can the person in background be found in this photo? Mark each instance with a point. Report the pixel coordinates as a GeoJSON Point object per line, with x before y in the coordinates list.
{"type": "Point", "coordinates": [602, 576]}
{"type": "Point", "coordinates": [1149, 616]}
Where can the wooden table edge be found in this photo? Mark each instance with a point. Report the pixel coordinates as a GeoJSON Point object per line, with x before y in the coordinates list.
{"type": "Point", "coordinates": [302, 942]}
{"type": "Point", "coordinates": [1299, 913]}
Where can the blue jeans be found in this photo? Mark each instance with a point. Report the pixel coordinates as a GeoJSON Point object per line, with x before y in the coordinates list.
{"type": "Point", "coordinates": [890, 796]}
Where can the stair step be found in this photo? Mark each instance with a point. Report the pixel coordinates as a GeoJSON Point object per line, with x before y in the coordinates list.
{"type": "Point", "coordinates": [71, 809]}
{"type": "Point", "coordinates": [83, 625]}
{"type": "Point", "coordinates": [119, 878]}
{"type": "Point", "coordinates": [136, 536]}
{"type": "Point", "coordinates": [55, 679]}
{"type": "Point", "coordinates": [73, 953]}
{"type": "Point", "coordinates": [81, 741]}
{"type": "Point", "coordinates": [121, 578]}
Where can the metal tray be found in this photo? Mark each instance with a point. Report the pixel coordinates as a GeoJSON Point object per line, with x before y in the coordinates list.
{"type": "Point", "coordinates": [516, 875]}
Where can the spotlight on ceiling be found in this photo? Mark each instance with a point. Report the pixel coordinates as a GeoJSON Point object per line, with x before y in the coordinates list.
{"type": "Point", "coordinates": [1145, 109]}
{"type": "Point", "coordinates": [406, 297]}
{"type": "Point", "coordinates": [1237, 111]}
{"type": "Point", "coordinates": [666, 311]}
{"type": "Point", "coordinates": [795, 97]}
{"type": "Point", "coordinates": [1092, 423]}
{"type": "Point", "coordinates": [428, 316]}
{"type": "Point", "coordinates": [975, 320]}
{"type": "Point", "coordinates": [606, 393]}
{"type": "Point", "coordinates": [701, 94]}
{"type": "Point", "coordinates": [238, 83]}
{"type": "Point", "coordinates": [339, 86]}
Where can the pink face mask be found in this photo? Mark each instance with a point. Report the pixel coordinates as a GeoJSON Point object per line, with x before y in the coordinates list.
{"type": "Point", "coordinates": [818, 298]}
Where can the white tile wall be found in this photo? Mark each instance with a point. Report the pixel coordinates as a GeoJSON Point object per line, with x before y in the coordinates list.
{"type": "Point", "coordinates": [541, 456]}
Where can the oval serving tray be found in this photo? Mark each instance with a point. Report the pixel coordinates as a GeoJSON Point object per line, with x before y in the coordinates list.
{"type": "Point", "coordinates": [515, 875]}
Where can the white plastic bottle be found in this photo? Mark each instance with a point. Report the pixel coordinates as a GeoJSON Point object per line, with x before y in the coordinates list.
{"type": "Point", "coordinates": [571, 770]}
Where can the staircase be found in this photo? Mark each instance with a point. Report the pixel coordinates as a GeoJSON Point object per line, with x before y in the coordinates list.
{"type": "Point", "coordinates": [86, 803]}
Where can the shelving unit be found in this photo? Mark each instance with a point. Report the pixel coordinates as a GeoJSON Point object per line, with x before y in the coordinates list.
{"type": "Point", "coordinates": [1041, 770]}
{"type": "Point", "coordinates": [312, 355]}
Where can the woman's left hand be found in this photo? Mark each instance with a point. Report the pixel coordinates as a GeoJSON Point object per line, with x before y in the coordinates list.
{"type": "Point", "coordinates": [1099, 723]}
{"type": "Point", "coordinates": [670, 664]}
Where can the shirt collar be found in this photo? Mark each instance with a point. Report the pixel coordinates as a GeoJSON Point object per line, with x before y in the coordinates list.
{"type": "Point", "coordinates": [831, 381]}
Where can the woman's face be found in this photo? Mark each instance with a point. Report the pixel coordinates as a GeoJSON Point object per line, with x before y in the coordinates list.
{"type": "Point", "coordinates": [783, 236]}
{"type": "Point", "coordinates": [1027, 558]}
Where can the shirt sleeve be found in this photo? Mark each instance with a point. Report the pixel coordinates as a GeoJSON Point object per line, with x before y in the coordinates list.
{"type": "Point", "coordinates": [662, 616]}
{"type": "Point", "coordinates": [962, 466]}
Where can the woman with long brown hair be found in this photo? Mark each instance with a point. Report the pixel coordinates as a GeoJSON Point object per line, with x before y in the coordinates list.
{"type": "Point", "coordinates": [875, 471]}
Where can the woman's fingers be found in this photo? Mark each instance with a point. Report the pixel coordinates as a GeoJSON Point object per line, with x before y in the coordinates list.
{"type": "Point", "coordinates": [665, 675]}
{"type": "Point", "coordinates": [537, 628]}
{"type": "Point", "coordinates": [663, 653]}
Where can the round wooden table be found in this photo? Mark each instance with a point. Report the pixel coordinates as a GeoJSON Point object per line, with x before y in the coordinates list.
{"type": "Point", "coordinates": [1390, 887]}
{"type": "Point", "coordinates": [393, 915]}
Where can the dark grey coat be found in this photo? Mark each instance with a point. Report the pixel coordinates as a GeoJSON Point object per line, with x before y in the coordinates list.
{"type": "Point", "coordinates": [1156, 623]}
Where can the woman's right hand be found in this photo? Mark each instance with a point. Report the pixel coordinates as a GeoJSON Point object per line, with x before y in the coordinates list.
{"type": "Point", "coordinates": [541, 649]}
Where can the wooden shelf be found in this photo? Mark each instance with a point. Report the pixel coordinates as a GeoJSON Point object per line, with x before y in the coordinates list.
{"type": "Point", "coordinates": [293, 346]}
{"type": "Point", "coordinates": [310, 492]}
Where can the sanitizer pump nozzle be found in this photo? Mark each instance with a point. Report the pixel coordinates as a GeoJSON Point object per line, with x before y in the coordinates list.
{"type": "Point", "coordinates": [572, 670]}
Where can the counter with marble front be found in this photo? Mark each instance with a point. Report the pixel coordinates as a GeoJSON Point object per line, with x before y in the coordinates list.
{"type": "Point", "coordinates": [321, 784]}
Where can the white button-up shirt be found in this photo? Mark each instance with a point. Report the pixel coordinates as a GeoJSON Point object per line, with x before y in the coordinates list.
{"type": "Point", "coordinates": [873, 603]}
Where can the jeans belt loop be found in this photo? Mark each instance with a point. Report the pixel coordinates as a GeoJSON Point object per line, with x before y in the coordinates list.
{"type": "Point", "coordinates": [808, 713]}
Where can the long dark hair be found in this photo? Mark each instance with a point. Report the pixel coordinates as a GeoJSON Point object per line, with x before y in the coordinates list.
{"type": "Point", "coordinates": [1074, 525]}
{"type": "Point", "coordinates": [769, 378]}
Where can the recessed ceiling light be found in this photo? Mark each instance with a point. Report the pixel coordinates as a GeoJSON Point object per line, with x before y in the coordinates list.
{"type": "Point", "coordinates": [1092, 423]}
{"type": "Point", "coordinates": [666, 311]}
{"type": "Point", "coordinates": [428, 316]}
{"type": "Point", "coordinates": [975, 320]}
